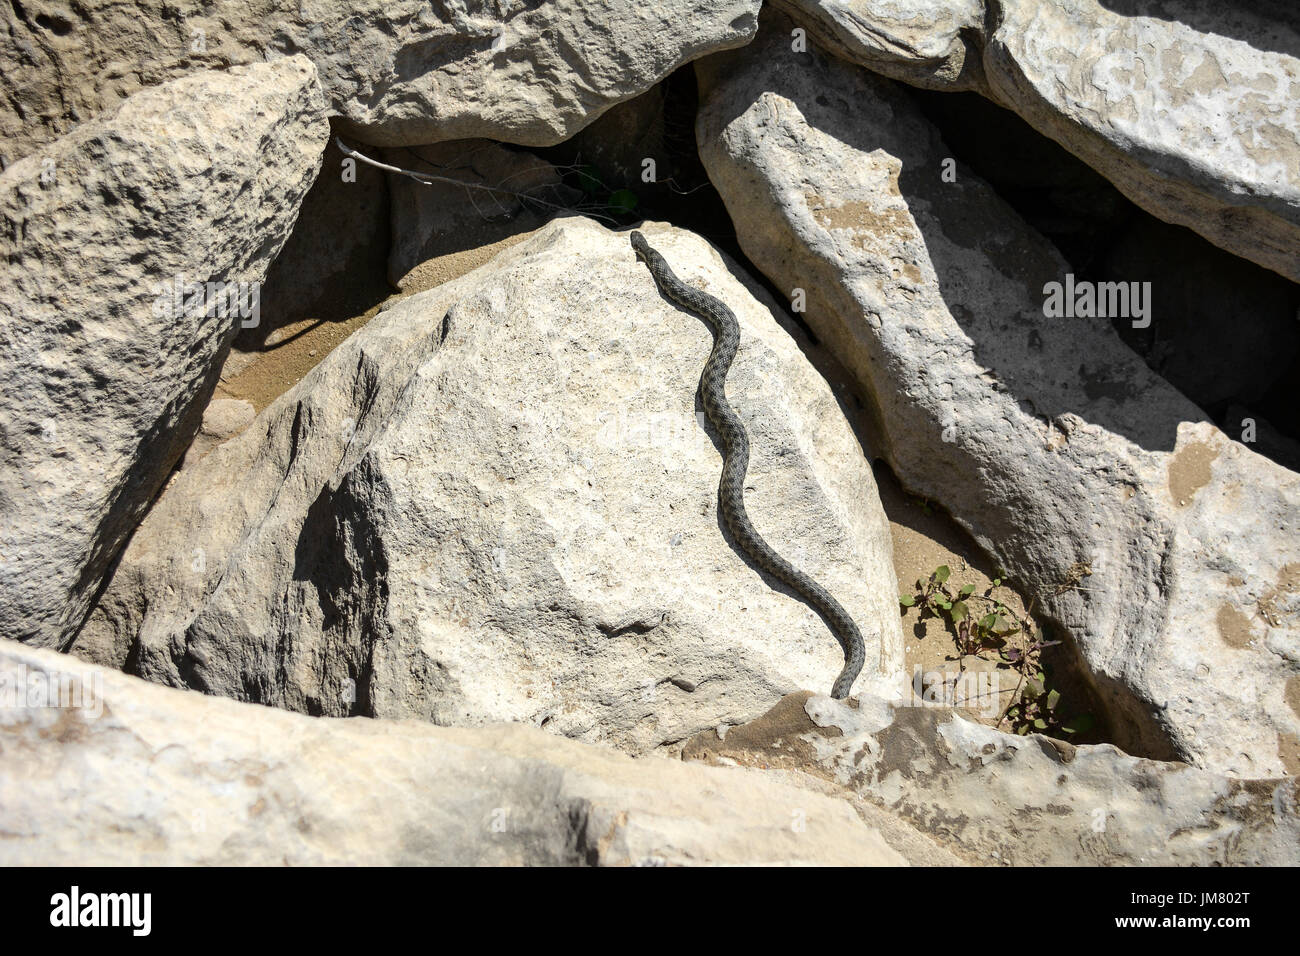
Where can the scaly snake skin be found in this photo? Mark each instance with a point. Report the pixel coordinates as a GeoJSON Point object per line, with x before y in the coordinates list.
{"type": "Point", "coordinates": [731, 489]}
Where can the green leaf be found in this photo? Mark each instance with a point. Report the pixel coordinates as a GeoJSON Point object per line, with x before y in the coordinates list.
{"type": "Point", "coordinates": [941, 573]}
{"type": "Point", "coordinates": [906, 600]}
{"type": "Point", "coordinates": [946, 605]}
{"type": "Point", "coordinates": [1040, 723]}
{"type": "Point", "coordinates": [959, 612]}
{"type": "Point", "coordinates": [1053, 698]}
{"type": "Point", "coordinates": [988, 620]}
{"type": "Point", "coordinates": [624, 200]}
{"type": "Point", "coordinates": [968, 590]}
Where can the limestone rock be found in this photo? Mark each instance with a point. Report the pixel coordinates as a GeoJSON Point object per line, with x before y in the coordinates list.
{"type": "Point", "coordinates": [929, 43]}
{"type": "Point", "coordinates": [226, 417]}
{"type": "Point", "coordinates": [222, 419]}
{"type": "Point", "coordinates": [998, 798]}
{"type": "Point", "coordinates": [495, 503]}
{"type": "Point", "coordinates": [1163, 551]}
{"type": "Point", "coordinates": [108, 362]}
{"type": "Point", "coordinates": [1191, 107]}
{"type": "Point", "coordinates": [398, 72]}
{"type": "Point", "coordinates": [141, 775]}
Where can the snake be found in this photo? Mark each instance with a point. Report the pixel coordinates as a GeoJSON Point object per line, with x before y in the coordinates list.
{"type": "Point", "coordinates": [735, 462]}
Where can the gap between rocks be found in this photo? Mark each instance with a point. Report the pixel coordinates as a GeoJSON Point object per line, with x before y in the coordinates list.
{"type": "Point", "coordinates": [334, 275]}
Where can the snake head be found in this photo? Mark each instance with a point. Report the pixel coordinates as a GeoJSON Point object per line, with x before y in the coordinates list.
{"type": "Point", "coordinates": [642, 247]}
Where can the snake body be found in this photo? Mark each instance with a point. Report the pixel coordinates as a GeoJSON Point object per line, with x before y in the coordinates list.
{"type": "Point", "coordinates": [731, 489]}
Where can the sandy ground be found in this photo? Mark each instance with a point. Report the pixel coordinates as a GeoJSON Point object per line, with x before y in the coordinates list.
{"type": "Point", "coordinates": [925, 537]}
{"type": "Point", "coordinates": [262, 375]}
{"type": "Point", "coordinates": [290, 353]}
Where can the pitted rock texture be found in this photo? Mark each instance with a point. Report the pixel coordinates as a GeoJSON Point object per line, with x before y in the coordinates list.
{"type": "Point", "coordinates": [138, 775]}
{"type": "Point", "coordinates": [1003, 799]}
{"type": "Point", "coordinates": [1139, 528]}
{"type": "Point", "coordinates": [1190, 107]}
{"type": "Point", "coordinates": [396, 72]}
{"type": "Point", "coordinates": [496, 502]}
{"type": "Point", "coordinates": [112, 330]}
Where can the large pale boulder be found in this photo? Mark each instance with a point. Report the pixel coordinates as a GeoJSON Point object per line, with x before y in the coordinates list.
{"type": "Point", "coordinates": [1164, 553]}
{"type": "Point", "coordinates": [398, 72]}
{"type": "Point", "coordinates": [1191, 107]}
{"type": "Point", "coordinates": [997, 798]}
{"type": "Point", "coordinates": [113, 332]}
{"type": "Point", "coordinates": [117, 772]}
{"type": "Point", "coordinates": [495, 502]}
{"type": "Point", "coordinates": [930, 43]}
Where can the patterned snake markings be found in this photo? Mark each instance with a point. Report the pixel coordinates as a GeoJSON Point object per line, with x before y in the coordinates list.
{"type": "Point", "coordinates": [731, 489]}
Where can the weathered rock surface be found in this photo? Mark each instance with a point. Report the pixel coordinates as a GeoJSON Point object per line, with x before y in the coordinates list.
{"type": "Point", "coordinates": [495, 502]}
{"type": "Point", "coordinates": [929, 43]}
{"type": "Point", "coordinates": [105, 372]}
{"type": "Point", "coordinates": [1167, 552]}
{"type": "Point", "coordinates": [997, 798]}
{"type": "Point", "coordinates": [226, 417]}
{"type": "Point", "coordinates": [1191, 107]}
{"type": "Point", "coordinates": [145, 775]}
{"type": "Point", "coordinates": [398, 72]}
{"type": "Point", "coordinates": [223, 419]}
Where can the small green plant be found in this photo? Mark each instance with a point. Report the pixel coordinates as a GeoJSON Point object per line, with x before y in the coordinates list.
{"type": "Point", "coordinates": [984, 622]}
{"type": "Point", "coordinates": [1036, 704]}
{"type": "Point", "coordinates": [992, 627]}
{"type": "Point", "coordinates": [922, 503]}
